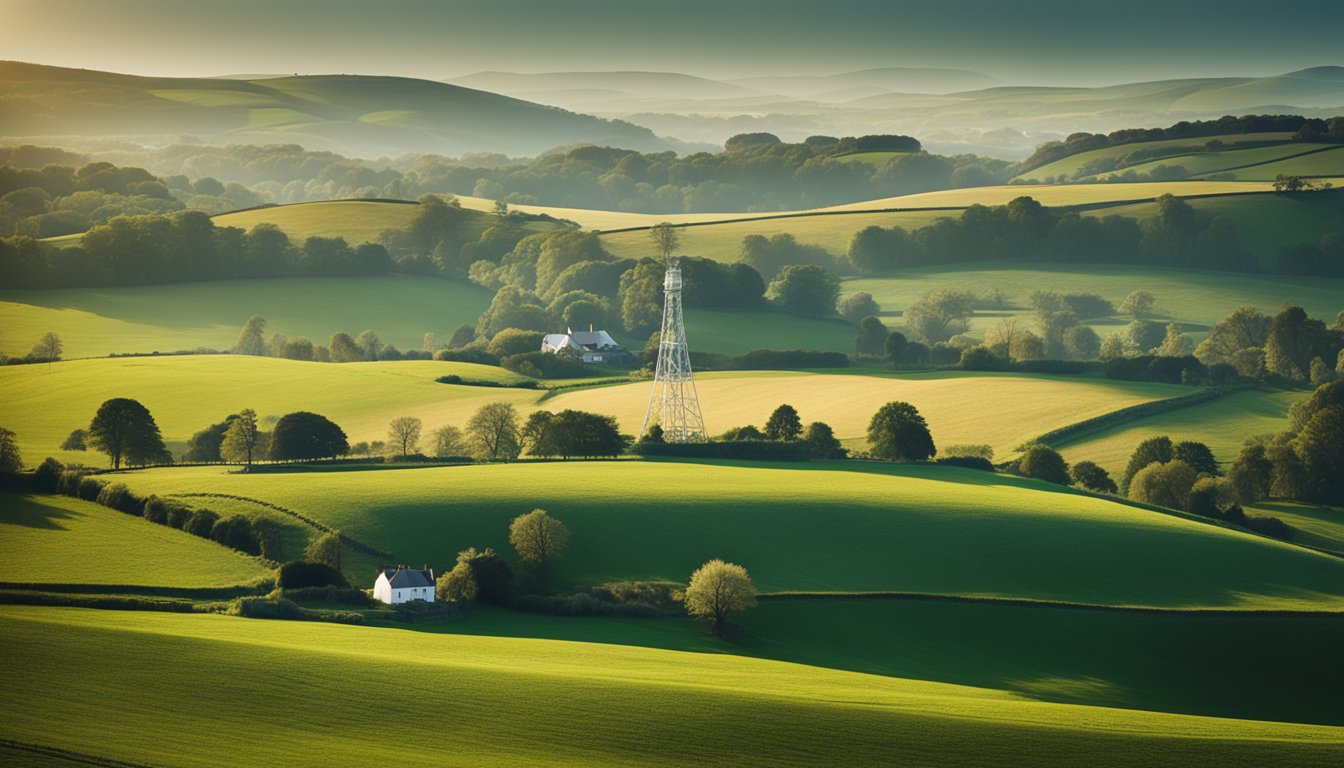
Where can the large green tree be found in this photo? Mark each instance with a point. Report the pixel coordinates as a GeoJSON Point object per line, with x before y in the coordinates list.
{"type": "Point", "coordinates": [243, 440]}
{"type": "Point", "coordinates": [784, 424]}
{"type": "Point", "coordinates": [898, 432]}
{"type": "Point", "coordinates": [303, 435]}
{"type": "Point", "coordinates": [717, 589]}
{"type": "Point", "coordinates": [806, 289]}
{"type": "Point", "coordinates": [494, 433]}
{"type": "Point", "coordinates": [125, 431]}
{"type": "Point", "coordinates": [539, 540]}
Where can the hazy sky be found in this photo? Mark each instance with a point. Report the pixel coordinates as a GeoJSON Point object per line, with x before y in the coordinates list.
{"type": "Point", "coordinates": [1048, 42]}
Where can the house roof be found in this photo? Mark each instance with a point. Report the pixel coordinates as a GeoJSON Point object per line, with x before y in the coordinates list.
{"type": "Point", "coordinates": [404, 578]}
{"type": "Point", "coordinates": [582, 339]}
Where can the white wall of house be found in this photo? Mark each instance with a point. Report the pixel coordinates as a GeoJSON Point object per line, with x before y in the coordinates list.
{"type": "Point", "coordinates": [383, 592]}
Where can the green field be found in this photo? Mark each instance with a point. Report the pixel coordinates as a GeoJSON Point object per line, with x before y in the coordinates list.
{"type": "Point", "coordinates": [59, 540]}
{"type": "Point", "coordinates": [1316, 526]}
{"type": "Point", "coordinates": [1329, 164]}
{"type": "Point", "coordinates": [1002, 410]}
{"type": "Point", "coordinates": [574, 703]}
{"type": "Point", "coordinates": [164, 318]}
{"type": "Point", "coordinates": [1070, 165]}
{"type": "Point", "coordinates": [1214, 162]}
{"type": "Point", "coordinates": [820, 527]}
{"type": "Point", "coordinates": [46, 402]}
{"type": "Point", "coordinates": [1195, 299]}
{"type": "Point", "coordinates": [1222, 424]}
{"type": "Point", "coordinates": [188, 393]}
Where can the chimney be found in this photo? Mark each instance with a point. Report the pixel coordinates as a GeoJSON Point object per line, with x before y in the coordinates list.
{"type": "Point", "coordinates": [590, 327]}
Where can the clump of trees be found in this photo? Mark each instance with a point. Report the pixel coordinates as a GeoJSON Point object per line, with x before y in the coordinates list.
{"type": "Point", "coordinates": [784, 425]}
{"type": "Point", "coordinates": [1304, 462]}
{"type": "Point", "coordinates": [572, 433]}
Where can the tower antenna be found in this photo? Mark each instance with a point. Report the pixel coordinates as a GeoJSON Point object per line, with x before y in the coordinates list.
{"type": "Point", "coordinates": [673, 404]}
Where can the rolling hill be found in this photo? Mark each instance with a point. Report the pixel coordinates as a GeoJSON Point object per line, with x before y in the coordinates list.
{"type": "Point", "coordinates": [352, 114]}
{"type": "Point", "coordinates": [831, 527]}
{"type": "Point", "coordinates": [582, 704]}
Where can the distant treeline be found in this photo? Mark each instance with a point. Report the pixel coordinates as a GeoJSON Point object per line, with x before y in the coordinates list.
{"type": "Point", "coordinates": [1302, 128]}
{"type": "Point", "coordinates": [1177, 236]}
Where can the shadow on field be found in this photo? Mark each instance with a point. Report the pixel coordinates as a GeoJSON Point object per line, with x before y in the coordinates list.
{"type": "Point", "coordinates": [29, 512]}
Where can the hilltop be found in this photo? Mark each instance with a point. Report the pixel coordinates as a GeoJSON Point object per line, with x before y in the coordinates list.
{"type": "Point", "coordinates": [353, 114]}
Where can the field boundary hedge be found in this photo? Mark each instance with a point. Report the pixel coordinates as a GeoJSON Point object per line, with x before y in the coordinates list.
{"type": "Point", "coordinates": [355, 544]}
{"type": "Point", "coordinates": [1068, 433]}
{"type": "Point", "coordinates": [69, 755]}
{"type": "Point", "coordinates": [205, 593]}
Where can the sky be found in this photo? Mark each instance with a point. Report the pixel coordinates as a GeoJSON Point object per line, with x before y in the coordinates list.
{"type": "Point", "coordinates": [1051, 42]}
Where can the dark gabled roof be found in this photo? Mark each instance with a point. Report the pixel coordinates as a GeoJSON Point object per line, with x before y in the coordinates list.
{"type": "Point", "coordinates": [403, 578]}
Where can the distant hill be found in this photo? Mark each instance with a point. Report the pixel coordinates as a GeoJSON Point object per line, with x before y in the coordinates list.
{"type": "Point", "coordinates": [904, 79]}
{"type": "Point", "coordinates": [351, 114]}
{"type": "Point", "coordinates": [669, 85]}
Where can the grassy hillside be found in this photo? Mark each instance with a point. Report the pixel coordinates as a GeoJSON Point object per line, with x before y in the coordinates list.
{"type": "Point", "coordinates": [1329, 163]}
{"type": "Point", "coordinates": [47, 401]}
{"type": "Point", "coordinates": [1194, 298]}
{"type": "Point", "coordinates": [817, 527]}
{"type": "Point", "coordinates": [1311, 155]}
{"type": "Point", "coordinates": [401, 308]}
{"type": "Point", "coordinates": [1071, 165]}
{"type": "Point", "coordinates": [1002, 410]}
{"type": "Point", "coordinates": [186, 394]}
{"type": "Point", "coordinates": [1100, 657]}
{"type": "Point", "coordinates": [351, 114]}
{"type": "Point", "coordinates": [59, 540]}
{"type": "Point", "coordinates": [356, 220]}
{"type": "Point", "coordinates": [1221, 424]}
{"type": "Point", "coordinates": [621, 706]}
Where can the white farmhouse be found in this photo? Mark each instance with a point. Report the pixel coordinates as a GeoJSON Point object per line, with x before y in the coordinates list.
{"type": "Point", "coordinates": [402, 585]}
{"type": "Point", "coordinates": [592, 346]}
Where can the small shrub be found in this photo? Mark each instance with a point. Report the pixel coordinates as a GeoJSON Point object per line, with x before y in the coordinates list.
{"type": "Point", "coordinates": [297, 574]}
{"type": "Point", "coordinates": [236, 532]}
{"type": "Point", "coordinates": [89, 488]}
{"type": "Point", "coordinates": [69, 480]}
{"type": "Point", "coordinates": [160, 510]}
{"type": "Point", "coordinates": [178, 515]}
{"type": "Point", "coordinates": [253, 607]}
{"type": "Point", "coordinates": [969, 462]}
{"type": "Point", "coordinates": [201, 523]}
{"type": "Point", "coordinates": [47, 477]}
{"type": "Point", "coordinates": [1270, 526]}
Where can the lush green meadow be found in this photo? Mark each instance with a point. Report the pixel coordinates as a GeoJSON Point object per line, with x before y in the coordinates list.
{"type": "Point", "coordinates": [1248, 665]}
{"type": "Point", "coordinates": [60, 540]}
{"type": "Point", "coordinates": [1070, 165]}
{"type": "Point", "coordinates": [1215, 162]}
{"type": "Point", "coordinates": [1222, 424]}
{"type": "Point", "coordinates": [234, 695]}
{"type": "Point", "coordinates": [164, 318]}
{"type": "Point", "coordinates": [1329, 163]}
{"type": "Point", "coordinates": [46, 402]}
{"type": "Point", "coordinates": [1002, 410]}
{"type": "Point", "coordinates": [817, 527]}
{"type": "Point", "coordinates": [185, 394]}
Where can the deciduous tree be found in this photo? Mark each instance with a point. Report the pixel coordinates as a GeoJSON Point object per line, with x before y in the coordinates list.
{"type": "Point", "coordinates": [404, 433]}
{"type": "Point", "coordinates": [243, 440]}
{"type": "Point", "coordinates": [48, 348]}
{"type": "Point", "coordinates": [783, 424]}
{"type": "Point", "coordinates": [493, 431]}
{"type": "Point", "coordinates": [539, 540]}
{"type": "Point", "coordinates": [252, 339]}
{"type": "Point", "coordinates": [898, 432]}
{"type": "Point", "coordinates": [125, 431]}
{"type": "Point", "coordinates": [717, 589]}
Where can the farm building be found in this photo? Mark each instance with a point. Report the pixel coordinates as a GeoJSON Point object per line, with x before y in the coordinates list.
{"type": "Point", "coordinates": [402, 585]}
{"type": "Point", "coordinates": [592, 346]}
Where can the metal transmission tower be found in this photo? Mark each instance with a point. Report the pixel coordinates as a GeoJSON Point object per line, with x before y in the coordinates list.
{"type": "Point", "coordinates": [673, 404]}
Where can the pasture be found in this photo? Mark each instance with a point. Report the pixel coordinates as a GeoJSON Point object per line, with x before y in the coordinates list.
{"type": "Point", "coordinates": [1222, 424]}
{"type": "Point", "coordinates": [1068, 166]}
{"type": "Point", "coordinates": [572, 703]}
{"type": "Point", "coordinates": [1216, 162]}
{"type": "Point", "coordinates": [1002, 410]}
{"type": "Point", "coordinates": [46, 402]}
{"type": "Point", "coordinates": [1329, 163]}
{"type": "Point", "coordinates": [848, 527]}
{"type": "Point", "coordinates": [60, 540]}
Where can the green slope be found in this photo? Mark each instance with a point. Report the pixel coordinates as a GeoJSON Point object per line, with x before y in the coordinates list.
{"type": "Point", "coordinates": [1068, 166]}
{"type": "Point", "coordinates": [357, 221]}
{"type": "Point", "coordinates": [59, 540]}
{"type": "Point", "coordinates": [821, 526]}
{"type": "Point", "coordinates": [247, 692]}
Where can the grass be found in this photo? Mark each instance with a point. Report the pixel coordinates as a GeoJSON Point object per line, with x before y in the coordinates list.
{"type": "Point", "coordinates": [1214, 162]}
{"type": "Point", "coordinates": [876, 158]}
{"type": "Point", "coordinates": [816, 527]}
{"type": "Point", "coordinates": [100, 321]}
{"type": "Point", "coordinates": [1222, 425]}
{"type": "Point", "coordinates": [1316, 526]}
{"type": "Point", "coordinates": [1097, 657]}
{"type": "Point", "coordinates": [1194, 298]}
{"type": "Point", "coordinates": [186, 394]}
{"type": "Point", "coordinates": [735, 332]}
{"type": "Point", "coordinates": [1002, 410]}
{"type": "Point", "coordinates": [357, 222]}
{"type": "Point", "coordinates": [1329, 163]}
{"type": "Point", "coordinates": [568, 703]}
{"type": "Point", "coordinates": [60, 540]}
{"type": "Point", "coordinates": [1070, 165]}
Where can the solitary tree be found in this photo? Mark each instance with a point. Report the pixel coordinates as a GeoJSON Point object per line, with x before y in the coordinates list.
{"type": "Point", "coordinates": [665, 238]}
{"type": "Point", "coordinates": [252, 339]}
{"type": "Point", "coordinates": [124, 430]}
{"type": "Point", "coordinates": [539, 539]}
{"type": "Point", "coordinates": [716, 589]}
{"type": "Point", "coordinates": [243, 439]}
{"type": "Point", "coordinates": [11, 461]}
{"type": "Point", "coordinates": [1138, 304]}
{"type": "Point", "coordinates": [898, 432]}
{"type": "Point", "coordinates": [303, 435]}
{"type": "Point", "coordinates": [404, 433]}
{"type": "Point", "coordinates": [48, 348]}
{"type": "Point", "coordinates": [75, 441]}
{"type": "Point", "coordinates": [494, 431]}
{"type": "Point", "coordinates": [784, 424]}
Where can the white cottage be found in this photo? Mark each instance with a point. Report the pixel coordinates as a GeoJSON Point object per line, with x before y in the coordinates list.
{"type": "Point", "coordinates": [592, 346]}
{"type": "Point", "coordinates": [402, 585]}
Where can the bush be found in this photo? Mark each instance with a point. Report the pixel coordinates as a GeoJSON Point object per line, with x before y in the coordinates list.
{"type": "Point", "coordinates": [178, 515]}
{"type": "Point", "coordinates": [236, 532]}
{"type": "Point", "coordinates": [297, 574]}
{"type": "Point", "coordinates": [544, 365]}
{"type": "Point", "coordinates": [254, 607]}
{"type": "Point", "coordinates": [982, 359]}
{"type": "Point", "coordinates": [969, 462]}
{"type": "Point", "coordinates": [47, 477]}
{"type": "Point", "coordinates": [88, 488]}
{"type": "Point", "coordinates": [1270, 526]}
{"type": "Point", "coordinates": [468, 355]}
{"type": "Point", "coordinates": [1089, 475]}
{"type": "Point", "coordinates": [772, 359]}
{"type": "Point", "coordinates": [330, 594]}
{"type": "Point", "coordinates": [68, 483]}
{"type": "Point", "coordinates": [201, 523]}
{"type": "Point", "coordinates": [161, 511]}
{"type": "Point", "coordinates": [1044, 463]}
